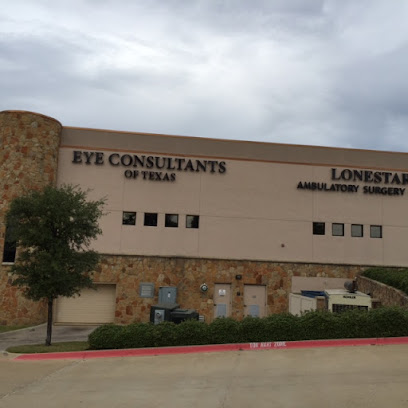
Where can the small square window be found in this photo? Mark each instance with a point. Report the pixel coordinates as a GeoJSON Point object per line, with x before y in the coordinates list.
{"type": "Point", "coordinates": [356, 230]}
{"type": "Point", "coordinates": [375, 231]}
{"type": "Point", "coordinates": [338, 230]}
{"type": "Point", "coordinates": [318, 228]}
{"type": "Point", "coordinates": [171, 221]}
{"type": "Point", "coordinates": [128, 218]}
{"type": "Point", "coordinates": [192, 221]}
{"type": "Point", "coordinates": [150, 219]}
{"type": "Point", "coordinates": [146, 290]}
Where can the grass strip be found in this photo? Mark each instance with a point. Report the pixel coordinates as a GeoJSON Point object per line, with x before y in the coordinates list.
{"type": "Point", "coordinates": [4, 329]}
{"type": "Point", "coordinates": [54, 348]}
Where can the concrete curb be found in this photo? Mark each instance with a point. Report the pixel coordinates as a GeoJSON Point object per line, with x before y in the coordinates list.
{"type": "Point", "coordinates": [84, 355]}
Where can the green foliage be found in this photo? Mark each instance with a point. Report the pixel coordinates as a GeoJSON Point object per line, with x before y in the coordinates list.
{"type": "Point", "coordinates": [55, 348]}
{"type": "Point", "coordinates": [224, 330]}
{"type": "Point", "coordinates": [192, 332]}
{"type": "Point", "coordinates": [282, 327]}
{"type": "Point", "coordinates": [54, 228]}
{"type": "Point", "coordinates": [382, 322]}
{"type": "Point", "coordinates": [397, 278]}
{"type": "Point", "coordinates": [107, 335]}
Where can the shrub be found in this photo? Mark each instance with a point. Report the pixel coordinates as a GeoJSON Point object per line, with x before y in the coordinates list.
{"type": "Point", "coordinates": [320, 325]}
{"type": "Point", "coordinates": [282, 327]}
{"type": "Point", "coordinates": [135, 335]}
{"type": "Point", "coordinates": [104, 337]}
{"type": "Point", "coordinates": [382, 322]}
{"type": "Point", "coordinates": [224, 330]}
{"type": "Point", "coordinates": [164, 334]}
{"type": "Point", "coordinates": [253, 329]}
{"type": "Point", "coordinates": [192, 332]}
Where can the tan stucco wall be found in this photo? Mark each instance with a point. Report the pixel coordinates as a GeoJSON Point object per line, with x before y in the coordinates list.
{"type": "Point", "coordinates": [28, 160]}
{"type": "Point", "coordinates": [253, 220]}
{"type": "Point", "coordinates": [88, 139]}
{"type": "Point", "coordinates": [252, 211]}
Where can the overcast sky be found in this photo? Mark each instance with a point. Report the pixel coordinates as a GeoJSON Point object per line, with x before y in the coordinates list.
{"type": "Point", "coordinates": [330, 73]}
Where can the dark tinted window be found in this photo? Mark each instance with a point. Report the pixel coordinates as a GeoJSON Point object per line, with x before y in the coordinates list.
{"type": "Point", "coordinates": [318, 228]}
{"type": "Point", "coordinates": [150, 219]}
{"type": "Point", "coordinates": [129, 218]}
{"type": "Point", "coordinates": [171, 220]}
{"type": "Point", "coordinates": [192, 221]}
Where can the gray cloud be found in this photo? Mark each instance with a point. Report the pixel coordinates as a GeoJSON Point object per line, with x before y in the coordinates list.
{"type": "Point", "coordinates": [308, 72]}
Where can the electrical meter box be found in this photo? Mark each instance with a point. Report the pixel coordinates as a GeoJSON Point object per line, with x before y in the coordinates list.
{"type": "Point", "coordinates": [339, 300]}
{"type": "Point", "coordinates": [162, 312]}
{"type": "Point", "coordinates": [167, 294]}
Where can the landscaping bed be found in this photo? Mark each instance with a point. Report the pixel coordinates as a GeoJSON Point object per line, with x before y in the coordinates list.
{"type": "Point", "coordinates": [382, 322]}
{"type": "Point", "coordinates": [397, 278]}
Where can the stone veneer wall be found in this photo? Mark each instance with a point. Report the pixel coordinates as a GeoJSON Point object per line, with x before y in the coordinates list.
{"type": "Point", "coordinates": [387, 295]}
{"type": "Point", "coordinates": [29, 145]}
{"type": "Point", "coordinates": [127, 272]}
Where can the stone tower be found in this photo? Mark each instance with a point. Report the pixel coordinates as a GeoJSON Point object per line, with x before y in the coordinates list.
{"type": "Point", "coordinates": [29, 145]}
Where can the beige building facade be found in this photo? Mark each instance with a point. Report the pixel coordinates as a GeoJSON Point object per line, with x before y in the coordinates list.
{"type": "Point", "coordinates": [240, 218]}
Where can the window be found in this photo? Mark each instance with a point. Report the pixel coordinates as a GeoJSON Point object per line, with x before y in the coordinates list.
{"type": "Point", "coordinates": [318, 228]}
{"type": "Point", "coordinates": [375, 231]}
{"type": "Point", "coordinates": [356, 230]}
{"type": "Point", "coordinates": [150, 219]}
{"type": "Point", "coordinates": [171, 221]}
{"type": "Point", "coordinates": [146, 290]}
{"type": "Point", "coordinates": [192, 221]}
{"type": "Point", "coordinates": [128, 218]}
{"type": "Point", "coordinates": [10, 247]}
{"type": "Point", "coordinates": [337, 230]}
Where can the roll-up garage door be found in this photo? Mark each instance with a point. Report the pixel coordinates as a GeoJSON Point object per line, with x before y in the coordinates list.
{"type": "Point", "coordinates": [92, 307]}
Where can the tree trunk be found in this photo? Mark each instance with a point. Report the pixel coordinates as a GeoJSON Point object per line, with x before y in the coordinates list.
{"type": "Point", "coordinates": [49, 323]}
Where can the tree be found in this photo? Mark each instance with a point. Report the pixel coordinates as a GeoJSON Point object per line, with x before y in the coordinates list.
{"type": "Point", "coordinates": [54, 229]}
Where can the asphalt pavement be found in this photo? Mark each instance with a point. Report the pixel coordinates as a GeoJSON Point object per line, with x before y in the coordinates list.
{"type": "Point", "coordinates": [352, 377]}
{"type": "Point", "coordinates": [37, 335]}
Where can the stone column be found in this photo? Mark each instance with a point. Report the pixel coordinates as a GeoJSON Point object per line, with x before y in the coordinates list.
{"type": "Point", "coordinates": [29, 144]}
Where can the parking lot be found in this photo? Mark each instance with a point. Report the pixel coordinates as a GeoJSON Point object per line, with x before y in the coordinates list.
{"type": "Point", "coordinates": [363, 376]}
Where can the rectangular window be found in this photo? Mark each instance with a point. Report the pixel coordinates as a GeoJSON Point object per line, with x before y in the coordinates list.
{"type": "Point", "coordinates": [10, 247]}
{"type": "Point", "coordinates": [337, 230]}
{"type": "Point", "coordinates": [192, 221]}
{"type": "Point", "coordinates": [150, 219]}
{"type": "Point", "coordinates": [171, 221]}
{"type": "Point", "coordinates": [356, 230]}
{"type": "Point", "coordinates": [128, 218]}
{"type": "Point", "coordinates": [375, 231]}
{"type": "Point", "coordinates": [318, 228]}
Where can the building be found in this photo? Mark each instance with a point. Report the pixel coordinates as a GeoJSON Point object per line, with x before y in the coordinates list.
{"type": "Point", "coordinates": [248, 220]}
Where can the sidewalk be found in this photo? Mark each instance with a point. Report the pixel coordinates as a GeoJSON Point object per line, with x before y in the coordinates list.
{"type": "Point", "coordinates": [37, 335]}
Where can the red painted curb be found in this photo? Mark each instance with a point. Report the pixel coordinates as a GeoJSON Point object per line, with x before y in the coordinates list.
{"type": "Point", "coordinates": [211, 348]}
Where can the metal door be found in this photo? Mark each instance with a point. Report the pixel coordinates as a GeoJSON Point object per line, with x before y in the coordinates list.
{"type": "Point", "coordinates": [254, 300]}
{"type": "Point", "coordinates": [222, 300]}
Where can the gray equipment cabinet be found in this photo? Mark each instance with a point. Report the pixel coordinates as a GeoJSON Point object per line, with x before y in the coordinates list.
{"type": "Point", "coordinates": [167, 294]}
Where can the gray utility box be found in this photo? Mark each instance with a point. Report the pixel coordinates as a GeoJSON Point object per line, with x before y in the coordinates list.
{"type": "Point", "coordinates": [161, 312]}
{"type": "Point", "coordinates": [167, 294]}
{"type": "Point", "coordinates": [180, 315]}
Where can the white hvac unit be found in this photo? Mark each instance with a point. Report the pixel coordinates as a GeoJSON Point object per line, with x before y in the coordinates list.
{"type": "Point", "coordinates": [339, 300]}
